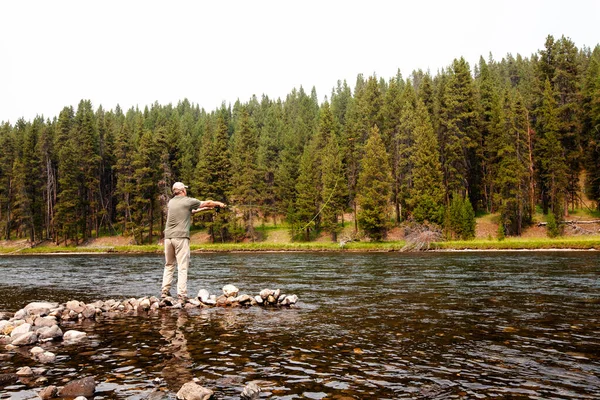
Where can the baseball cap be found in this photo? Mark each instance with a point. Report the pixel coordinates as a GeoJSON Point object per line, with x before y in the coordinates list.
{"type": "Point", "coordinates": [179, 185]}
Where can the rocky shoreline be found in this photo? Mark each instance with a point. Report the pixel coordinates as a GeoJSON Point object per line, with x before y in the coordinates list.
{"type": "Point", "coordinates": [40, 322]}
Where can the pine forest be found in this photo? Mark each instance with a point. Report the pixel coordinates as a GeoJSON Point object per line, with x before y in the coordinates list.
{"type": "Point", "coordinates": [508, 137]}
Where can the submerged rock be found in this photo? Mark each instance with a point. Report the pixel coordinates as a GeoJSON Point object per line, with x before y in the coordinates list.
{"type": "Point", "coordinates": [81, 387]}
{"type": "Point", "coordinates": [193, 391]}
{"type": "Point", "coordinates": [74, 335]}
{"type": "Point", "coordinates": [251, 391]}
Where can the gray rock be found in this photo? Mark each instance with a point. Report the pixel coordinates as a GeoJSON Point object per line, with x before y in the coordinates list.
{"type": "Point", "coordinates": [75, 306]}
{"type": "Point", "coordinates": [74, 335]}
{"type": "Point", "coordinates": [49, 332]}
{"type": "Point", "coordinates": [36, 350]}
{"type": "Point", "coordinates": [48, 392]}
{"type": "Point", "coordinates": [21, 314]}
{"type": "Point", "coordinates": [25, 339]}
{"type": "Point", "coordinates": [45, 321]}
{"type": "Point", "coordinates": [193, 391]}
{"type": "Point", "coordinates": [81, 387]}
{"type": "Point", "coordinates": [251, 391]}
{"type": "Point", "coordinates": [265, 293]}
{"type": "Point", "coordinates": [40, 308]}
{"type": "Point", "coordinates": [46, 357]}
{"type": "Point", "coordinates": [89, 311]}
{"type": "Point", "coordinates": [258, 299]}
{"type": "Point", "coordinates": [5, 339]}
{"type": "Point", "coordinates": [230, 291]}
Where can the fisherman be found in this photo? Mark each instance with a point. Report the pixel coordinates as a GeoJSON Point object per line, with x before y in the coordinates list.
{"type": "Point", "coordinates": [177, 237]}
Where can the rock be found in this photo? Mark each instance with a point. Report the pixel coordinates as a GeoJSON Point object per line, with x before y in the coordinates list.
{"type": "Point", "coordinates": [244, 299]}
{"type": "Point", "coordinates": [5, 339]}
{"type": "Point", "coordinates": [6, 379]}
{"type": "Point", "coordinates": [258, 299]}
{"type": "Point", "coordinates": [89, 312]}
{"type": "Point", "coordinates": [145, 304]}
{"type": "Point", "coordinates": [265, 293]}
{"type": "Point", "coordinates": [230, 291]}
{"type": "Point", "coordinates": [75, 306]}
{"type": "Point", "coordinates": [276, 293]}
{"type": "Point", "coordinates": [48, 392]}
{"type": "Point", "coordinates": [20, 330]}
{"type": "Point", "coordinates": [81, 387]}
{"type": "Point", "coordinates": [271, 299]}
{"type": "Point", "coordinates": [45, 321]}
{"type": "Point", "coordinates": [24, 371]}
{"type": "Point", "coordinates": [36, 350]}
{"type": "Point", "coordinates": [25, 339]}
{"type": "Point", "coordinates": [4, 324]}
{"type": "Point", "coordinates": [46, 357]}
{"type": "Point", "coordinates": [193, 391]}
{"type": "Point", "coordinates": [221, 301]}
{"type": "Point", "coordinates": [40, 308]}
{"type": "Point", "coordinates": [49, 332]}
{"type": "Point", "coordinates": [251, 391]}
{"type": "Point", "coordinates": [21, 314]}
{"type": "Point", "coordinates": [203, 295]}
{"type": "Point", "coordinates": [74, 335]}
{"type": "Point", "coordinates": [80, 398]}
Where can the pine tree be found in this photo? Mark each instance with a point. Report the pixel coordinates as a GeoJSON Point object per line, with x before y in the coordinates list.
{"type": "Point", "coordinates": [374, 188]}
{"type": "Point", "coordinates": [333, 193]}
{"type": "Point", "coordinates": [591, 126]}
{"type": "Point", "coordinates": [552, 165]}
{"type": "Point", "coordinates": [244, 176]}
{"type": "Point", "coordinates": [7, 159]}
{"type": "Point", "coordinates": [392, 112]}
{"type": "Point", "coordinates": [427, 192]}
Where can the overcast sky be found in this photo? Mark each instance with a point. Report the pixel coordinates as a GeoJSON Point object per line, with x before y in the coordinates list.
{"type": "Point", "coordinates": [55, 53]}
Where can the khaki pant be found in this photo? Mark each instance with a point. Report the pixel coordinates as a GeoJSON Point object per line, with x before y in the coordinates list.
{"type": "Point", "coordinates": [176, 250]}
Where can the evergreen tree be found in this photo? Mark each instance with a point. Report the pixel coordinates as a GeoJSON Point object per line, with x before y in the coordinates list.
{"type": "Point", "coordinates": [374, 188]}
{"type": "Point", "coordinates": [427, 192]}
{"type": "Point", "coordinates": [7, 159]}
{"type": "Point", "coordinates": [591, 127]}
{"type": "Point", "coordinates": [244, 175]}
{"type": "Point", "coordinates": [552, 165]}
{"type": "Point", "coordinates": [333, 190]}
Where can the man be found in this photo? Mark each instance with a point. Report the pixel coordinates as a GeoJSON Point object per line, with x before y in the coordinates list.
{"type": "Point", "coordinates": [177, 237]}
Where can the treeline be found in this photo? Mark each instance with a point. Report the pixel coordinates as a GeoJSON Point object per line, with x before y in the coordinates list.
{"type": "Point", "coordinates": [504, 136]}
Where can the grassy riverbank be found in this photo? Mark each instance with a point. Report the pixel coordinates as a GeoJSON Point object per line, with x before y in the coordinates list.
{"type": "Point", "coordinates": [276, 238]}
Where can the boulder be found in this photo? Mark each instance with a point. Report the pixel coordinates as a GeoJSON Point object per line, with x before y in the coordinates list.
{"type": "Point", "coordinates": [88, 312]}
{"type": "Point", "coordinates": [75, 306]}
{"type": "Point", "coordinates": [20, 330]}
{"type": "Point", "coordinates": [45, 321]}
{"type": "Point", "coordinates": [230, 291]}
{"type": "Point", "coordinates": [46, 357]}
{"type": "Point", "coordinates": [40, 308]}
{"type": "Point", "coordinates": [203, 295]}
{"type": "Point", "coordinates": [48, 392]}
{"type": "Point", "coordinates": [24, 371]}
{"type": "Point", "coordinates": [265, 293]}
{"type": "Point", "coordinates": [49, 332]}
{"type": "Point", "coordinates": [81, 387]}
{"type": "Point", "coordinates": [25, 339]}
{"type": "Point", "coordinates": [193, 391]}
{"type": "Point", "coordinates": [74, 335]}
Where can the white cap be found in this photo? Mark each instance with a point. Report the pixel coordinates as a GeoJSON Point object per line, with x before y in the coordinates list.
{"type": "Point", "coordinates": [179, 186]}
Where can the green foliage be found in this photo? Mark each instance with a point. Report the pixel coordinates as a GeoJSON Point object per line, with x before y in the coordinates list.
{"type": "Point", "coordinates": [374, 188]}
{"type": "Point", "coordinates": [461, 218]}
{"type": "Point", "coordinates": [553, 228]}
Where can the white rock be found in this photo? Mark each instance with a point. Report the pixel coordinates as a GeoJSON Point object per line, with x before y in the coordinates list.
{"type": "Point", "coordinates": [36, 350]}
{"type": "Point", "coordinates": [265, 293]}
{"type": "Point", "coordinates": [258, 299]}
{"type": "Point", "coordinates": [45, 321]}
{"type": "Point", "coordinates": [49, 332]}
{"type": "Point", "coordinates": [230, 291]}
{"type": "Point", "coordinates": [203, 295]}
{"type": "Point", "coordinates": [40, 307]}
{"type": "Point", "coordinates": [46, 357]}
{"type": "Point", "coordinates": [20, 330]}
{"type": "Point", "coordinates": [25, 339]}
{"type": "Point", "coordinates": [74, 335]}
{"type": "Point", "coordinates": [193, 391]}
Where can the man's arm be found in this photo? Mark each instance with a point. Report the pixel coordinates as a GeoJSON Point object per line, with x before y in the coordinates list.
{"type": "Point", "coordinates": [208, 205]}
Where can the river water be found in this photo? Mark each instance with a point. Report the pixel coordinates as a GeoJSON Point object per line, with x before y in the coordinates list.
{"type": "Point", "coordinates": [468, 325]}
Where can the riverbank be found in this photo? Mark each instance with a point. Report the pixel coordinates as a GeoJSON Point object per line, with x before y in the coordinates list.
{"type": "Point", "coordinates": [92, 247]}
{"type": "Point", "coordinates": [277, 239]}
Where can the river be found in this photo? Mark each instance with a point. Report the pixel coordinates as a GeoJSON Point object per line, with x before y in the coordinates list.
{"type": "Point", "coordinates": [464, 325]}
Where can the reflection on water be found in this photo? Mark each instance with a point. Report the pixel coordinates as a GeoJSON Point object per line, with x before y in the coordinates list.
{"type": "Point", "coordinates": [368, 326]}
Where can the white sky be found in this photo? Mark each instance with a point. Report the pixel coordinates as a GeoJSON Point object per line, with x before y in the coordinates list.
{"type": "Point", "coordinates": [55, 53]}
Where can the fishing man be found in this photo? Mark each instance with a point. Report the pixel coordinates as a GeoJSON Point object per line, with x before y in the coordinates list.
{"type": "Point", "coordinates": [177, 237]}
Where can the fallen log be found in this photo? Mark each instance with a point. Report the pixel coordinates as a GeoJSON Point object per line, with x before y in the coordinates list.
{"type": "Point", "coordinates": [573, 222]}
